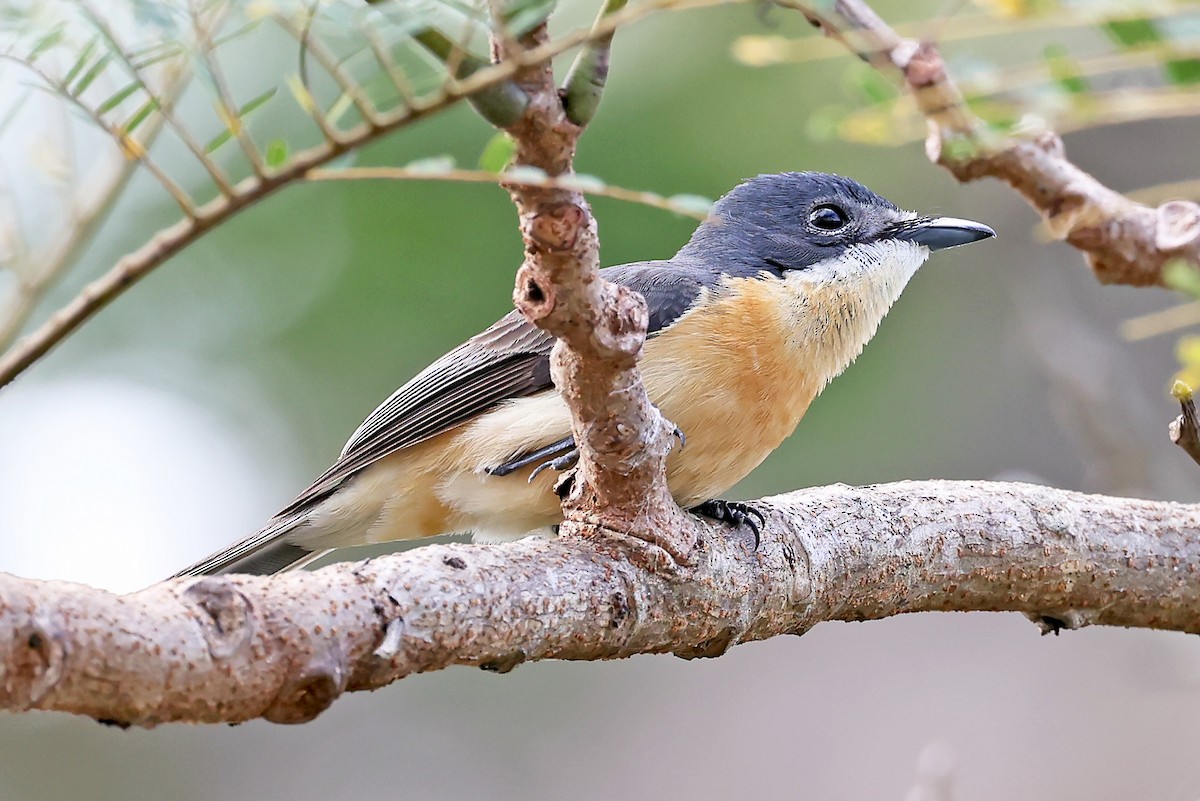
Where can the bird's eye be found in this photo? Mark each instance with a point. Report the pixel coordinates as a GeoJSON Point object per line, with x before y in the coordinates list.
{"type": "Point", "coordinates": [828, 217]}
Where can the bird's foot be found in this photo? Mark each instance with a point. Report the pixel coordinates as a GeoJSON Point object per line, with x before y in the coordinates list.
{"type": "Point", "coordinates": [733, 512]}
{"type": "Point", "coordinates": [558, 464]}
{"type": "Point", "coordinates": [679, 435]}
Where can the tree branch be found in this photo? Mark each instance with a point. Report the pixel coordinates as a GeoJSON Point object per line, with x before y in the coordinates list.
{"type": "Point", "coordinates": [620, 485]}
{"type": "Point", "coordinates": [227, 649]}
{"type": "Point", "coordinates": [135, 266]}
{"type": "Point", "coordinates": [1125, 242]}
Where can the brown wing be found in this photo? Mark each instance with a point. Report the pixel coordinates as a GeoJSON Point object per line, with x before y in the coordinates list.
{"type": "Point", "coordinates": [509, 360]}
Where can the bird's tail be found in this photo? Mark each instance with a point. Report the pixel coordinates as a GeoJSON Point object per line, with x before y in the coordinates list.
{"type": "Point", "coordinates": [261, 554]}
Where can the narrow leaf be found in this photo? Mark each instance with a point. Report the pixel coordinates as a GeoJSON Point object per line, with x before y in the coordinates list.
{"type": "Point", "coordinates": [92, 74]}
{"type": "Point", "coordinates": [158, 55]}
{"type": "Point", "coordinates": [45, 43]}
{"type": "Point", "coordinates": [1132, 32]}
{"type": "Point", "coordinates": [80, 62]}
{"type": "Point", "coordinates": [119, 98]}
{"type": "Point", "coordinates": [1183, 71]}
{"type": "Point", "coordinates": [139, 116]}
{"type": "Point", "coordinates": [218, 140]}
{"type": "Point", "coordinates": [497, 152]}
{"type": "Point", "coordinates": [277, 153]}
{"type": "Point", "coordinates": [233, 126]}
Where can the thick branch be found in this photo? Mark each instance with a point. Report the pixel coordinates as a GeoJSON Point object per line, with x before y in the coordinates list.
{"type": "Point", "coordinates": [283, 648]}
{"type": "Point", "coordinates": [620, 483]}
{"type": "Point", "coordinates": [1125, 242]}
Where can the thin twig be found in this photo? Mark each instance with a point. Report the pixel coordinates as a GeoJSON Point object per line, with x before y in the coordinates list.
{"type": "Point", "coordinates": [229, 110]}
{"type": "Point", "coordinates": [165, 109]}
{"type": "Point", "coordinates": [87, 216]}
{"type": "Point", "coordinates": [1124, 242]}
{"type": "Point", "coordinates": [456, 175]}
{"type": "Point", "coordinates": [346, 84]}
{"type": "Point", "coordinates": [126, 273]}
{"type": "Point", "coordinates": [399, 80]}
{"type": "Point", "coordinates": [1160, 322]}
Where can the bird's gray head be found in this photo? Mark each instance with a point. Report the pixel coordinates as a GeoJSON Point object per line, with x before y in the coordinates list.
{"type": "Point", "coordinates": [801, 220]}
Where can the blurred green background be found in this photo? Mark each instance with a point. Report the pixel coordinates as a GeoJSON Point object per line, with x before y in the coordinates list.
{"type": "Point", "coordinates": [189, 411]}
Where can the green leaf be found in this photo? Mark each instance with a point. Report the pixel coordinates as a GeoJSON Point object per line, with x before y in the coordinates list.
{"type": "Point", "coordinates": [45, 43]}
{"type": "Point", "coordinates": [497, 152]}
{"type": "Point", "coordinates": [91, 75]}
{"type": "Point", "coordinates": [215, 143]}
{"type": "Point", "coordinates": [872, 85]}
{"type": "Point", "coordinates": [1064, 70]}
{"type": "Point", "coordinates": [139, 116]}
{"type": "Point", "coordinates": [1182, 277]}
{"type": "Point", "coordinates": [151, 56]}
{"type": "Point", "coordinates": [256, 103]}
{"type": "Point", "coordinates": [240, 115]}
{"type": "Point", "coordinates": [522, 16]}
{"type": "Point", "coordinates": [1183, 71]}
{"type": "Point", "coordinates": [80, 62]}
{"type": "Point", "coordinates": [119, 98]}
{"type": "Point", "coordinates": [277, 153]}
{"type": "Point", "coordinates": [1132, 32]}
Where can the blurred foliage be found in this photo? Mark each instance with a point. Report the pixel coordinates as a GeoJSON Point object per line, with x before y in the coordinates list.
{"type": "Point", "coordinates": [1073, 65]}
{"type": "Point", "coordinates": [125, 68]}
{"type": "Point", "coordinates": [1185, 278]}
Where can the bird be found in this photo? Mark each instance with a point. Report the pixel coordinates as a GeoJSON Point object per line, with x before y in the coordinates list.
{"type": "Point", "coordinates": [772, 297]}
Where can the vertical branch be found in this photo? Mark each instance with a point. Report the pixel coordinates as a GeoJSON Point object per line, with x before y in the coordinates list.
{"type": "Point", "coordinates": [623, 441]}
{"type": "Point", "coordinates": [584, 84]}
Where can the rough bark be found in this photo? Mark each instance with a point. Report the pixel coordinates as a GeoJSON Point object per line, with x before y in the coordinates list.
{"type": "Point", "coordinates": [619, 486]}
{"type": "Point", "coordinates": [283, 648]}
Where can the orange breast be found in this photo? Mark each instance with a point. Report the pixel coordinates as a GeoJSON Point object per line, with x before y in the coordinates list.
{"type": "Point", "coordinates": [733, 376]}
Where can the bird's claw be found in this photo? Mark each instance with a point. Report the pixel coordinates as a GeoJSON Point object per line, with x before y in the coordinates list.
{"type": "Point", "coordinates": [735, 513]}
{"type": "Point", "coordinates": [679, 435]}
{"type": "Point", "coordinates": [559, 463]}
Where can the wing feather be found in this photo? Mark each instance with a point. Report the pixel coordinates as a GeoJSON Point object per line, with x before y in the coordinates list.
{"type": "Point", "coordinates": [511, 359]}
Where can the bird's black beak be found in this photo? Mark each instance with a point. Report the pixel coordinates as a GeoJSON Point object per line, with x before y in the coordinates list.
{"type": "Point", "coordinates": [939, 233]}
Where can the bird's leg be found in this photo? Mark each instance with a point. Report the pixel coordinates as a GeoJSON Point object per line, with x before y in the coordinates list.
{"type": "Point", "coordinates": [565, 444]}
{"type": "Point", "coordinates": [733, 512]}
{"type": "Point", "coordinates": [571, 458]}
{"type": "Point", "coordinates": [560, 463]}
